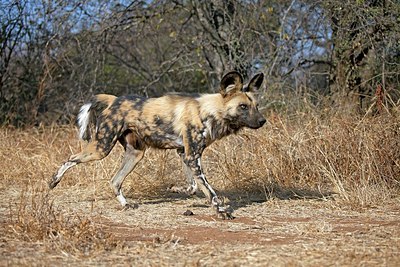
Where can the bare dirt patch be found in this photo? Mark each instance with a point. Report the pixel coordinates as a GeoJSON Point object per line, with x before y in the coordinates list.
{"type": "Point", "coordinates": [272, 232]}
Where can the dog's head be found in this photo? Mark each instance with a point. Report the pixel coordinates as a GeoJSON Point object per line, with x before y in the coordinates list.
{"type": "Point", "coordinates": [241, 108]}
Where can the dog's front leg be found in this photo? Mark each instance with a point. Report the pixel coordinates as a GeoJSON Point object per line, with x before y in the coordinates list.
{"type": "Point", "coordinates": [192, 188]}
{"type": "Point", "coordinates": [195, 166]}
{"type": "Point", "coordinates": [193, 152]}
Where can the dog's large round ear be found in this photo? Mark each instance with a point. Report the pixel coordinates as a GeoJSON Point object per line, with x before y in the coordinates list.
{"type": "Point", "coordinates": [255, 83]}
{"type": "Point", "coordinates": [231, 83]}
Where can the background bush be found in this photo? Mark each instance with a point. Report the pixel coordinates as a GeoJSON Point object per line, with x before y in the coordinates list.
{"type": "Point", "coordinates": [56, 54]}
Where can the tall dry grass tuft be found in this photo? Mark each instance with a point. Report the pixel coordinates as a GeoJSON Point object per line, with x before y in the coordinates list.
{"type": "Point", "coordinates": [355, 159]}
{"type": "Point", "coordinates": [35, 219]}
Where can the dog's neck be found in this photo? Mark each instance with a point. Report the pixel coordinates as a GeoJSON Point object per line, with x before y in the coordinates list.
{"type": "Point", "coordinates": [213, 117]}
{"type": "Point", "coordinates": [218, 129]}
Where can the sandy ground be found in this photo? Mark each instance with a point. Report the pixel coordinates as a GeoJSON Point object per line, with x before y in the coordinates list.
{"type": "Point", "coordinates": [273, 232]}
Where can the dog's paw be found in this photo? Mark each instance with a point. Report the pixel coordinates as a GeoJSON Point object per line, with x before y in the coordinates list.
{"type": "Point", "coordinates": [182, 190]}
{"type": "Point", "coordinates": [177, 189]}
{"type": "Point", "coordinates": [53, 183]}
{"type": "Point", "coordinates": [225, 213]}
{"type": "Point", "coordinates": [128, 206]}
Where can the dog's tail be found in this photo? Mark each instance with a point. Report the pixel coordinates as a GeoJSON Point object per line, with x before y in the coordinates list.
{"type": "Point", "coordinates": [85, 114]}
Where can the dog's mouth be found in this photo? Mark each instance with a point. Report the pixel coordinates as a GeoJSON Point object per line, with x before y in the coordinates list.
{"type": "Point", "coordinates": [236, 123]}
{"type": "Point", "coordinates": [254, 125]}
{"type": "Point", "coordinates": [257, 124]}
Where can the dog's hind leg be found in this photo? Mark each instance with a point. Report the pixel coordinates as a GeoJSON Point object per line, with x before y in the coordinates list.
{"type": "Point", "coordinates": [59, 174]}
{"type": "Point", "coordinates": [95, 150]}
{"type": "Point", "coordinates": [133, 154]}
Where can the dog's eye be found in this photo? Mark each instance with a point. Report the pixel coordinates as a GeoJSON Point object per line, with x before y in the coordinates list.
{"type": "Point", "coordinates": [244, 106]}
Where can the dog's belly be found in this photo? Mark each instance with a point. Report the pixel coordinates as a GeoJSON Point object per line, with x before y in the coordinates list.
{"type": "Point", "coordinates": [165, 141]}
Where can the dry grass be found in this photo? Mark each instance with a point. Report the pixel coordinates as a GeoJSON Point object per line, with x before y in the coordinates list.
{"type": "Point", "coordinates": [346, 162]}
{"type": "Point", "coordinates": [35, 219]}
{"type": "Point", "coordinates": [357, 160]}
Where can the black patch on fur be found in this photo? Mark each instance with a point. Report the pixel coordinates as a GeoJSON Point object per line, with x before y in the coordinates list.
{"type": "Point", "coordinates": [163, 126]}
{"type": "Point", "coordinates": [107, 133]}
{"type": "Point", "coordinates": [160, 140]}
{"type": "Point", "coordinates": [137, 101]}
{"type": "Point", "coordinates": [197, 144]}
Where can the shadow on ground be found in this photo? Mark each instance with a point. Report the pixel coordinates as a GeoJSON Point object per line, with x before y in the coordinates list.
{"type": "Point", "coordinates": [239, 198]}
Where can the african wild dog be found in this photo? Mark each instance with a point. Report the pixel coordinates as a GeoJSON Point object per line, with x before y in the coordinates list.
{"type": "Point", "coordinates": [186, 123]}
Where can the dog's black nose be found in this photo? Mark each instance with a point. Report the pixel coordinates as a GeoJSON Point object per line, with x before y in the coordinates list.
{"type": "Point", "coordinates": [262, 121]}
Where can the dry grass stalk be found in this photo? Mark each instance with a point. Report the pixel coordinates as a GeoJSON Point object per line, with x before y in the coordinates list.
{"type": "Point", "coordinates": [35, 219]}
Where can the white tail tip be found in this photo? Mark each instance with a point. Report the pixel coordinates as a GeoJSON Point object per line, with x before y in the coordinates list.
{"type": "Point", "coordinates": [83, 119]}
